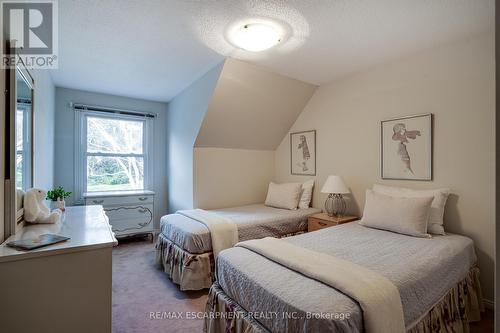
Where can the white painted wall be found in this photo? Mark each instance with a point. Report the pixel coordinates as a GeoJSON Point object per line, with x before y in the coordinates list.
{"type": "Point", "coordinates": [250, 111]}
{"type": "Point", "coordinates": [456, 83]}
{"type": "Point", "coordinates": [185, 115]}
{"type": "Point", "coordinates": [231, 177]}
{"type": "Point", "coordinates": [65, 139]}
{"type": "Point", "coordinates": [252, 107]}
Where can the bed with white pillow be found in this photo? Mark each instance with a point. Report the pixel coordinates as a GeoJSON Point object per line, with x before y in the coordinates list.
{"type": "Point", "coordinates": [435, 275]}
{"type": "Point", "coordinates": [184, 246]}
{"type": "Point", "coordinates": [436, 211]}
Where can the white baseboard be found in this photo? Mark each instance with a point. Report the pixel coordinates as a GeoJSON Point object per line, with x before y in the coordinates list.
{"type": "Point", "coordinates": [489, 304]}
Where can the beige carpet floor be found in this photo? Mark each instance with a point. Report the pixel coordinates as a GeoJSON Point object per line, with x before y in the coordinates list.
{"type": "Point", "coordinates": [141, 288]}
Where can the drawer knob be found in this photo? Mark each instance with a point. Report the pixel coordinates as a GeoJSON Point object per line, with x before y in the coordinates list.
{"type": "Point", "coordinates": [143, 198]}
{"type": "Point", "coordinates": [323, 224]}
{"type": "Point", "coordinates": [143, 211]}
{"type": "Point", "coordinates": [98, 201]}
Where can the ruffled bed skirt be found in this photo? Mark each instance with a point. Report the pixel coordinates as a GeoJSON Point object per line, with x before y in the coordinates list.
{"type": "Point", "coordinates": [461, 305]}
{"type": "Point", "coordinates": [453, 313]}
{"type": "Point", "coordinates": [223, 315]}
{"type": "Point", "coordinates": [189, 271]}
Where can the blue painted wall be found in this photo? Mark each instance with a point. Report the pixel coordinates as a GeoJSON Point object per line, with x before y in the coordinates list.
{"type": "Point", "coordinates": [65, 139]}
{"type": "Point", "coordinates": [185, 115]}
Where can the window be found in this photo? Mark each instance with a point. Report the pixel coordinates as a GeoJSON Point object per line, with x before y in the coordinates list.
{"type": "Point", "coordinates": [113, 152]}
{"type": "Point", "coordinates": [23, 146]}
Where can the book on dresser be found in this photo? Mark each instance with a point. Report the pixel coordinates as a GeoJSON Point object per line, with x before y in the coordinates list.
{"type": "Point", "coordinates": [129, 212]}
{"type": "Point", "coordinates": [37, 242]}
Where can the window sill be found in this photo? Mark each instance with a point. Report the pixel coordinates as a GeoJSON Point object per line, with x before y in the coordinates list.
{"type": "Point", "coordinates": [117, 193]}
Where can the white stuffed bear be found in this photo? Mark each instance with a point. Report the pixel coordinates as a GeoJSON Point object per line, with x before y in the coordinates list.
{"type": "Point", "coordinates": [35, 210]}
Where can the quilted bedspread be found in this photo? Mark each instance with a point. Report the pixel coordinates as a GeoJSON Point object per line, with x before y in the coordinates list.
{"type": "Point", "coordinates": [423, 270]}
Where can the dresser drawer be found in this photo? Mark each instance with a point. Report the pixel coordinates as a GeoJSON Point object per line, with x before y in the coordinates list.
{"type": "Point", "coordinates": [321, 220]}
{"type": "Point", "coordinates": [130, 219]}
{"type": "Point", "coordinates": [121, 200]}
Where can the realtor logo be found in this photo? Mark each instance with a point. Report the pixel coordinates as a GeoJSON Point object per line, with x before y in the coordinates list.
{"type": "Point", "coordinates": [31, 29]}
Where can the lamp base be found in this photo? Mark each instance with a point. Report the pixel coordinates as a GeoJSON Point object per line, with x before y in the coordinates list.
{"type": "Point", "coordinates": [335, 205]}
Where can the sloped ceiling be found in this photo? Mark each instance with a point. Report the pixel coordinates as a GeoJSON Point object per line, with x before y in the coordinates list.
{"type": "Point", "coordinates": [252, 108]}
{"type": "Point", "coordinates": [156, 48]}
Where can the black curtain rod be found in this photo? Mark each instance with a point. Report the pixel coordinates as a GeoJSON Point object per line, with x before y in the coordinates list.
{"type": "Point", "coordinates": [84, 107]}
{"type": "Point", "coordinates": [24, 100]}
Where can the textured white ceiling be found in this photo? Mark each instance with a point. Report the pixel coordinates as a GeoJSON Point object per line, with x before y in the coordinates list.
{"type": "Point", "coordinates": [153, 49]}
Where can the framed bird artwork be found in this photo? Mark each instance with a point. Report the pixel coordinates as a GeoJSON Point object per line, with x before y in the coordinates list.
{"type": "Point", "coordinates": [406, 148]}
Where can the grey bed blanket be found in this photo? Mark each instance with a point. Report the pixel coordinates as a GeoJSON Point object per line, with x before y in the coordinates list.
{"type": "Point", "coordinates": [252, 221]}
{"type": "Point", "coordinates": [423, 270]}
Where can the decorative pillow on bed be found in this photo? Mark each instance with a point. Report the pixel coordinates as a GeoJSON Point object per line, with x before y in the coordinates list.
{"type": "Point", "coordinates": [306, 194]}
{"type": "Point", "coordinates": [402, 215]}
{"type": "Point", "coordinates": [283, 195]}
{"type": "Point", "coordinates": [435, 223]}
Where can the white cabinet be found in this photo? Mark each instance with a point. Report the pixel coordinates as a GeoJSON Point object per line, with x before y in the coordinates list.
{"type": "Point", "coordinates": [129, 212]}
{"type": "Point", "coordinates": [65, 287]}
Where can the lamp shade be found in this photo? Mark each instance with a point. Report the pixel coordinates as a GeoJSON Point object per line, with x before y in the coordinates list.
{"type": "Point", "coordinates": [335, 184]}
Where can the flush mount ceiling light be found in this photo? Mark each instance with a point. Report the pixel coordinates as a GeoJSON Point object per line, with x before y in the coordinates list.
{"type": "Point", "coordinates": [256, 36]}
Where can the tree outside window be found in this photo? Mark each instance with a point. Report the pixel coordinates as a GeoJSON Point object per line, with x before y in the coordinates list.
{"type": "Point", "coordinates": [115, 154]}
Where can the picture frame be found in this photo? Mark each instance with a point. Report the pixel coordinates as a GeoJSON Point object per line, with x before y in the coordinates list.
{"type": "Point", "coordinates": [406, 147]}
{"type": "Point", "coordinates": [303, 153]}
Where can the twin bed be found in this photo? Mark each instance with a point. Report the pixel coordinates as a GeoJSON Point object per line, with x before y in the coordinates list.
{"type": "Point", "coordinates": [184, 245]}
{"type": "Point", "coordinates": [436, 278]}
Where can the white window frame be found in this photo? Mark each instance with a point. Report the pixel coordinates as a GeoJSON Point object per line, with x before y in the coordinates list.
{"type": "Point", "coordinates": [81, 150]}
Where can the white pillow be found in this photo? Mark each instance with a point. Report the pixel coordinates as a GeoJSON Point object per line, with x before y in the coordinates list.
{"type": "Point", "coordinates": [402, 215]}
{"type": "Point", "coordinates": [435, 224]}
{"type": "Point", "coordinates": [283, 195]}
{"type": "Point", "coordinates": [306, 194]}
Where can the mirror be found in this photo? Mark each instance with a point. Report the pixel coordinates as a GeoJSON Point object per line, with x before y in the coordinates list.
{"type": "Point", "coordinates": [19, 135]}
{"type": "Point", "coordinates": [23, 139]}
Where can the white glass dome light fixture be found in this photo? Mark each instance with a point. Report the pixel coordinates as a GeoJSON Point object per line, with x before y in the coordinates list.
{"type": "Point", "coordinates": [256, 36]}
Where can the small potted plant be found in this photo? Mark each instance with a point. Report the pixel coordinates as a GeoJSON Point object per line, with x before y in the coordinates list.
{"type": "Point", "coordinates": [56, 197]}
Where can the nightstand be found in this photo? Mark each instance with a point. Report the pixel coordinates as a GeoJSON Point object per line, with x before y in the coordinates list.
{"type": "Point", "coordinates": [322, 220]}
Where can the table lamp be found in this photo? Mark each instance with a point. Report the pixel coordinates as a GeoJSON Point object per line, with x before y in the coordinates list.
{"type": "Point", "coordinates": [335, 205]}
